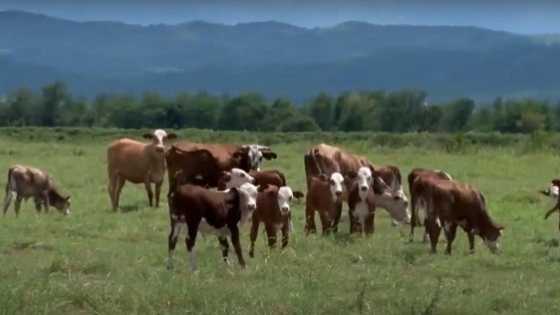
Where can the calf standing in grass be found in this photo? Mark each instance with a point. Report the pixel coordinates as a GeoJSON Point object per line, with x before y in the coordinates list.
{"type": "Point", "coordinates": [273, 209]}
{"type": "Point", "coordinates": [361, 201]}
{"type": "Point", "coordinates": [324, 196]}
{"type": "Point", "coordinates": [211, 212]}
{"type": "Point", "coordinates": [26, 182]}
{"type": "Point", "coordinates": [455, 203]}
{"type": "Point", "coordinates": [137, 162]}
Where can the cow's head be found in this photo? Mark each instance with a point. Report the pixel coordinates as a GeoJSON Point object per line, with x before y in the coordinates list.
{"type": "Point", "coordinates": [393, 201]}
{"type": "Point", "coordinates": [363, 179]}
{"type": "Point", "coordinates": [158, 138]}
{"type": "Point", "coordinates": [282, 195]}
{"type": "Point", "coordinates": [336, 184]}
{"type": "Point", "coordinates": [235, 178]}
{"type": "Point", "coordinates": [552, 191]}
{"type": "Point", "coordinates": [491, 235]}
{"type": "Point", "coordinates": [60, 202]}
{"type": "Point", "coordinates": [247, 197]}
{"type": "Point", "coordinates": [256, 153]}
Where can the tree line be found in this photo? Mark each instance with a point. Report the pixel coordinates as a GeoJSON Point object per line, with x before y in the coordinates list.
{"type": "Point", "coordinates": [381, 111]}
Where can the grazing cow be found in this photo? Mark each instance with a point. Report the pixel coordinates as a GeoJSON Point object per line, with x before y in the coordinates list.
{"type": "Point", "coordinates": [202, 163]}
{"type": "Point", "coordinates": [211, 212]}
{"type": "Point", "coordinates": [324, 195]}
{"type": "Point", "coordinates": [455, 203]}
{"type": "Point", "coordinates": [326, 159]}
{"type": "Point", "coordinates": [30, 182]}
{"type": "Point", "coordinates": [273, 208]}
{"type": "Point", "coordinates": [418, 181]}
{"type": "Point", "coordinates": [137, 162]}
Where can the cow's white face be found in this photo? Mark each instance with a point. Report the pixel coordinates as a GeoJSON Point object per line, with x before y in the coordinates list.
{"type": "Point", "coordinates": [365, 180]}
{"type": "Point", "coordinates": [255, 157]}
{"type": "Point", "coordinates": [336, 181]}
{"type": "Point", "coordinates": [158, 138]}
{"type": "Point", "coordinates": [393, 201]}
{"type": "Point", "coordinates": [285, 196]}
{"type": "Point", "coordinates": [553, 192]}
{"type": "Point", "coordinates": [237, 177]}
{"type": "Point", "coordinates": [248, 194]}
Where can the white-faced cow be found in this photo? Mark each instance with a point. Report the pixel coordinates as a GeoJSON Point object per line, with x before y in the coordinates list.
{"type": "Point", "coordinates": [273, 209]}
{"type": "Point", "coordinates": [137, 162]}
{"type": "Point", "coordinates": [31, 182]}
{"type": "Point", "coordinates": [324, 196]}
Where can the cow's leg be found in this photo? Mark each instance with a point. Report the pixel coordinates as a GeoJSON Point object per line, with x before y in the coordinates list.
{"type": "Point", "coordinates": [551, 211]}
{"type": "Point", "coordinates": [285, 233]}
{"type": "Point", "coordinates": [172, 242]}
{"type": "Point", "coordinates": [253, 235]}
{"type": "Point", "coordinates": [224, 246]}
{"type": "Point", "coordinates": [426, 237]}
{"type": "Point", "coordinates": [471, 242]}
{"type": "Point", "coordinates": [38, 204]}
{"type": "Point", "coordinates": [325, 223]}
{"type": "Point", "coordinates": [190, 241]}
{"type": "Point", "coordinates": [369, 226]}
{"type": "Point", "coordinates": [310, 220]}
{"type": "Point", "coordinates": [337, 215]}
{"type": "Point", "coordinates": [111, 190]}
{"type": "Point", "coordinates": [46, 201]}
{"type": "Point", "coordinates": [236, 243]}
{"type": "Point", "coordinates": [434, 229]}
{"type": "Point", "coordinates": [450, 233]}
{"type": "Point", "coordinates": [8, 199]}
{"type": "Point", "coordinates": [271, 234]}
{"type": "Point", "coordinates": [149, 192]}
{"type": "Point", "coordinates": [413, 218]}
{"type": "Point", "coordinates": [158, 192]}
{"type": "Point", "coordinates": [19, 199]}
{"type": "Point", "coordinates": [117, 193]}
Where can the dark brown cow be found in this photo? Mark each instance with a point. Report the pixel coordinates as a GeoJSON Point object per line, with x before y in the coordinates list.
{"type": "Point", "coordinates": [211, 212]}
{"type": "Point", "coordinates": [273, 207]}
{"type": "Point", "coordinates": [324, 196]}
{"type": "Point", "coordinates": [30, 182]}
{"type": "Point", "coordinates": [202, 163]}
{"type": "Point", "coordinates": [453, 203]}
{"type": "Point", "coordinates": [418, 180]}
{"type": "Point", "coordinates": [327, 159]}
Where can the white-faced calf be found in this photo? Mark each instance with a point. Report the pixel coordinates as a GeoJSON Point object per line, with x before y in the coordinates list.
{"type": "Point", "coordinates": [30, 182]}
{"type": "Point", "coordinates": [273, 209]}
{"type": "Point", "coordinates": [324, 195]}
{"type": "Point", "coordinates": [212, 212]}
{"type": "Point", "coordinates": [361, 201]}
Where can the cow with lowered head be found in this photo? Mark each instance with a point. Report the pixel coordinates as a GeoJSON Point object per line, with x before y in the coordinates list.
{"type": "Point", "coordinates": [31, 182]}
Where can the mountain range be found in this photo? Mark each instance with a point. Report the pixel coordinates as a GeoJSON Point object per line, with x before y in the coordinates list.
{"type": "Point", "coordinates": [276, 59]}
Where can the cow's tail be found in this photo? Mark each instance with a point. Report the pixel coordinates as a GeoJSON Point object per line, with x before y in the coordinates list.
{"type": "Point", "coordinates": [11, 183]}
{"type": "Point", "coordinates": [312, 166]}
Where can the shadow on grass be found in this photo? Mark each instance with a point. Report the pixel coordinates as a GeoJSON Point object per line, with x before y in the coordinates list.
{"type": "Point", "coordinates": [130, 208]}
{"type": "Point", "coordinates": [548, 242]}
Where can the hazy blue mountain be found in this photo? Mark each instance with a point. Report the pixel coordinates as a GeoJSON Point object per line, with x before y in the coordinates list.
{"type": "Point", "coordinates": [274, 58]}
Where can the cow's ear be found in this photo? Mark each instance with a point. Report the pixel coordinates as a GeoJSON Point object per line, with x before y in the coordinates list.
{"type": "Point", "coordinates": [147, 136]}
{"type": "Point", "coordinates": [475, 231]}
{"type": "Point", "coordinates": [171, 136]}
{"type": "Point", "coordinates": [67, 198]}
{"type": "Point", "coordinates": [269, 155]}
{"type": "Point", "coordinates": [323, 177]}
{"type": "Point", "coordinates": [262, 187]}
{"type": "Point", "coordinates": [298, 194]}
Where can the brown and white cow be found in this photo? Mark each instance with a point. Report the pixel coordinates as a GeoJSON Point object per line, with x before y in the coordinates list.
{"type": "Point", "coordinates": [327, 159]}
{"type": "Point", "coordinates": [552, 192]}
{"type": "Point", "coordinates": [363, 188]}
{"type": "Point", "coordinates": [273, 208]}
{"type": "Point", "coordinates": [458, 204]}
{"type": "Point", "coordinates": [202, 163]}
{"type": "Point", "coordinates": [418, 181]}
{"type": "Point", "coordinates": [31, 182]}
{"type": "Point", "coordinates": [137, 162]}
{"type": "Point", "coordinates": [324, 196]}
{"type": "Point", "coordinates": [222, 213]}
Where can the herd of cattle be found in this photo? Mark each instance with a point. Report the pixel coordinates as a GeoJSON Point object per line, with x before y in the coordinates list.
{"type": "Point", "coordinates": [217, 188]}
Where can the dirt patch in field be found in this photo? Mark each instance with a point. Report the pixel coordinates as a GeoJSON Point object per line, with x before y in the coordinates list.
{"type": "Point", "coordinates": [18, 247]}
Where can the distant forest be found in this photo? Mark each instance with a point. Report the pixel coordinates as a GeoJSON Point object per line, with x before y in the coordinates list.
{"type": "Point", "coordinates": [385, 111]}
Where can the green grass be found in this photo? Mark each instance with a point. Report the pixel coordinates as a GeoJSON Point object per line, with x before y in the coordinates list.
{"type": "Point", "coordinates": [97, 262]}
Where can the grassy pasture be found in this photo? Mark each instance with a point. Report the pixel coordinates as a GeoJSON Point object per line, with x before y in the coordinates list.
{"type": "Point", "coordinates": [96, 262]}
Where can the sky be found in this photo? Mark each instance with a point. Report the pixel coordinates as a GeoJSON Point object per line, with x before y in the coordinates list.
{"type": "Point", "coordinates": [518, 16]}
